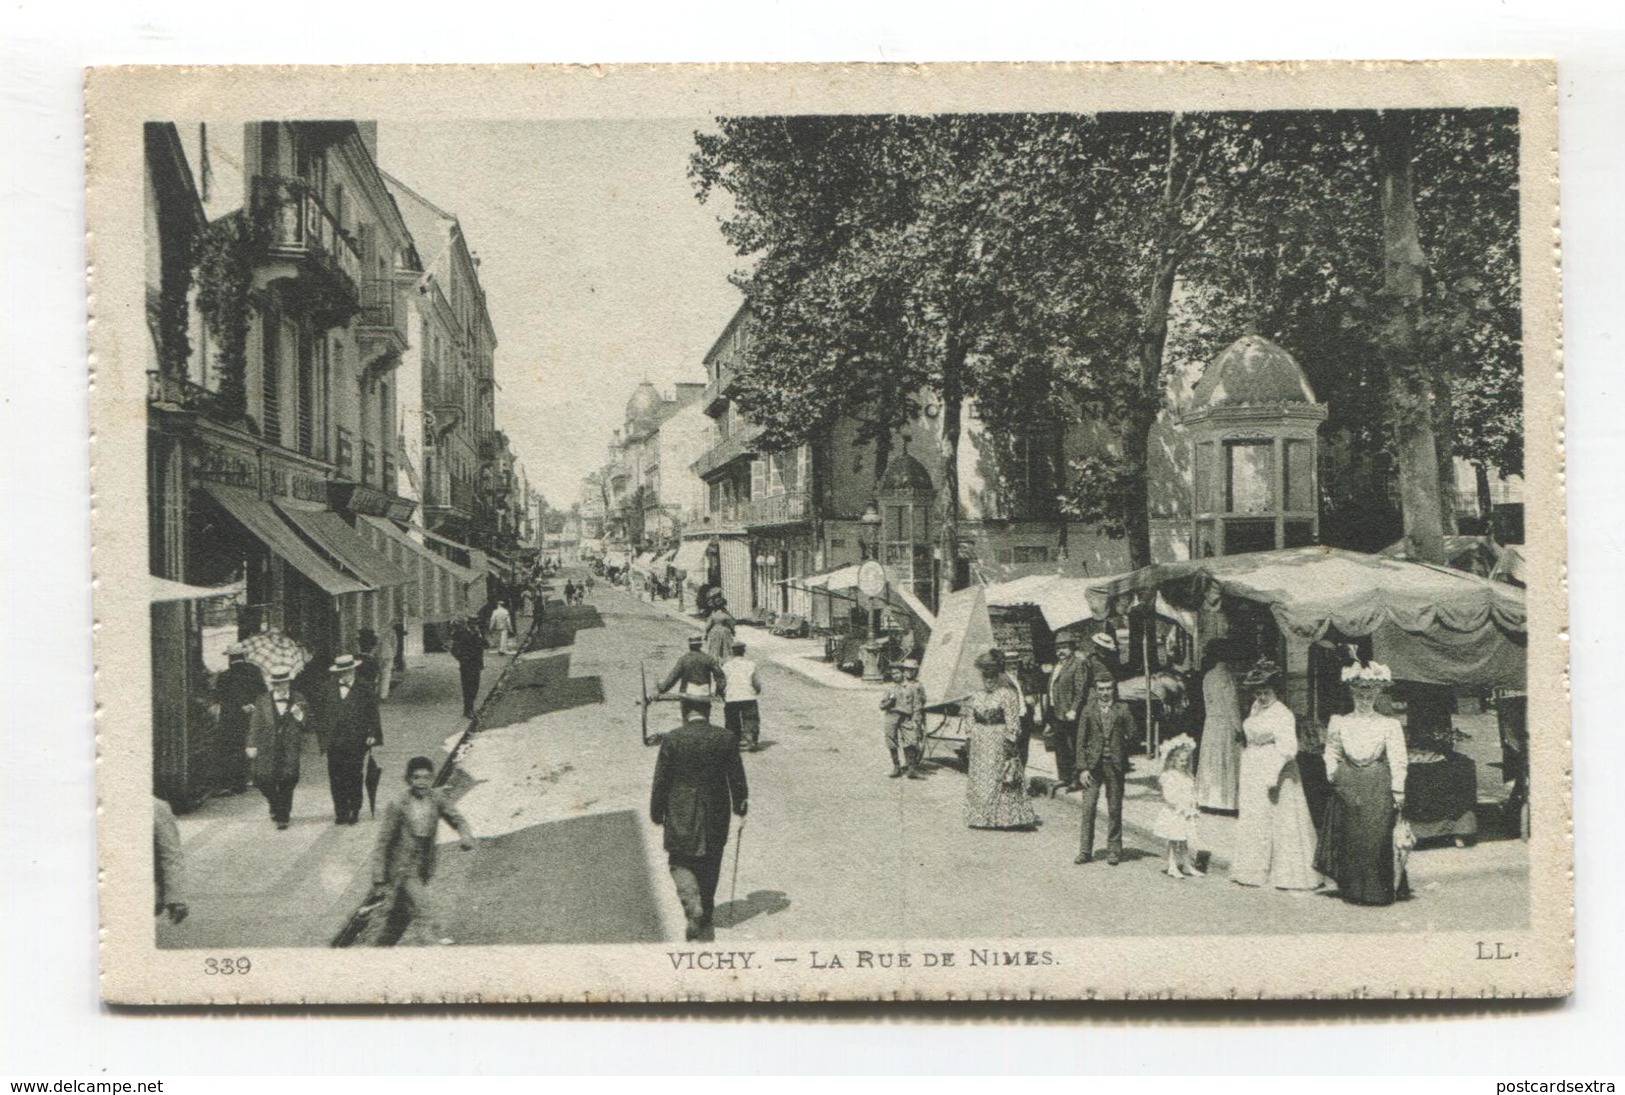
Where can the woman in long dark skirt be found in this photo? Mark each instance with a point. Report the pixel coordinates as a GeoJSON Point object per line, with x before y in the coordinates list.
{"type": "Point", "coordinates": [1366, 763]}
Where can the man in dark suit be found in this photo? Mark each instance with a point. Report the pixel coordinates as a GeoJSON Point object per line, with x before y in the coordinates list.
{"type": "Point", "coordinates": [1069, 686]}
{"type": "Point", "coordinates": [239, 686]}
{"type": "Point", "coordinates": [468, 647]}
{"type": "Point", "coordinates": [347, 728]}
{"type": "Point", "coordinates": [698, 777]}
{"type": "Point", "coordinates": [699, 677]}
{"type": "Point", "coordinates": [1104, 730]}
{"type": "Point", "coordinates": [274, 743]}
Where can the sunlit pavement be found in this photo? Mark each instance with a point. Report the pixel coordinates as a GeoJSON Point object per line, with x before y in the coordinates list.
{"type": "Point", "coordinates": [557, 787]}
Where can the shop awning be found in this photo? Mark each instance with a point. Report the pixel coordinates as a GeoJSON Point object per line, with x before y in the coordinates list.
{"type": "Point", "coordinates": [393, 531]}
{"type": "Point", "coordinates": [476, 558]}
{"type": "Point", "coordinates": [163, 590]}
{"type": "Point", "coordinates": [690, 557]}
{"type": "Point", "coordinates": [338, 539]}
{"type": "Point", "coordinates": [263, 523]}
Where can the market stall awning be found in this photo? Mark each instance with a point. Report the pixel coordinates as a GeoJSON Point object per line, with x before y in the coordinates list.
{"type": "Point", "coordinates": [690, 558]}
{"type": "Point", "coordinates": [263, 523]}
{"type": "Point", "coordinates": [1429, 623]}
{"type": "Point", "coordinates": [163, 591]}
{"type": "Point", "coordinates": [335, 537]}
{"type": "Point", "coordinates": [962, 630]}
{"type": "Point", "coordinates": [1064, 601]}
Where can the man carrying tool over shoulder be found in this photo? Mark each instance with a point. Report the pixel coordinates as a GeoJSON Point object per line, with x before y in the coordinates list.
{"type": "Point", "coordinates": [698, 678]}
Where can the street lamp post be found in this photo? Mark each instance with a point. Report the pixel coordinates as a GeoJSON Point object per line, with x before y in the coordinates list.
{"type": "Point", "coordinates": [871, 550]}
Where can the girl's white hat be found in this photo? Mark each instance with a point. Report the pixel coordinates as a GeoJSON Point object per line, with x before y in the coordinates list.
{"type": "Point", "coordinates": [1174, 744]}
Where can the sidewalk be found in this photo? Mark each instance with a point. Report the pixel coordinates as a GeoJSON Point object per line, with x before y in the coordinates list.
{"type": "Point", "coordinates": [247, 884]}
{"type": "Point", "coordinates": [803, 656]}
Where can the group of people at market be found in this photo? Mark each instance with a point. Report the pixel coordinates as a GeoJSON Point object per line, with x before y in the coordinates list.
{"type": "Point", "coordinates": [1246, 763]}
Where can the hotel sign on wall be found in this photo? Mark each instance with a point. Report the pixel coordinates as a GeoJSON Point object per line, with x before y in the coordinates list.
{"type": "Point", "coordinates": [235, 468]}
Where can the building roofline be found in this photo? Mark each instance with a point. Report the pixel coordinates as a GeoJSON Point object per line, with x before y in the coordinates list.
{"type": "Point", "coordinates": [733, 322]}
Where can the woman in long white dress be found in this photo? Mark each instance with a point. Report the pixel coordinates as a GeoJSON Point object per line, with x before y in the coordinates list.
{"type": "Point", "coordinates": [1275, 837]}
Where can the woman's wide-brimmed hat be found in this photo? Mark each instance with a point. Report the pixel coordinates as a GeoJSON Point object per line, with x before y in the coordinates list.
{"type": "Point", "coordinates": [991, 661]}
{"type": "Point", "coordinates": [1174, 744]}
{"type": "Point", "coordinates": [1263, 672]}
{"type": "Point", "coordinates": [1369, 675]}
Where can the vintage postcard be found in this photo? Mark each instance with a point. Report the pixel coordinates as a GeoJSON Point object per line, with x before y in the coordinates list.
{"type": "Point", "coordinates": [806, 533]}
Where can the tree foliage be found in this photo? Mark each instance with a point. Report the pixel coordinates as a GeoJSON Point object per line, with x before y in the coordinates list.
{"type": "Point", "coordinates": [1069, 264]}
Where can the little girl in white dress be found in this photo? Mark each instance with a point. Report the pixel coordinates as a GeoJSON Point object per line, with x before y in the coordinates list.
{"type": "Point", "coordinates": [1176, 823]}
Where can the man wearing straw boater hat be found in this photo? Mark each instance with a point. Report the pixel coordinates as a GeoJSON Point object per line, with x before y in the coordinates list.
{"type": "Point", "coordinates": [274, 742]}
{"type": "Point", "coordinates": [349, 726]}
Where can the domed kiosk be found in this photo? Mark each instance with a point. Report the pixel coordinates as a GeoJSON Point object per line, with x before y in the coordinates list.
{"type": "Point", "coordinates": [1253, 423]}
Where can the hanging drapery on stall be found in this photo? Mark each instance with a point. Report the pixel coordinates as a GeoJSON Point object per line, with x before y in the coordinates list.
{"type": "Point", "coordinates": [1428, 623]}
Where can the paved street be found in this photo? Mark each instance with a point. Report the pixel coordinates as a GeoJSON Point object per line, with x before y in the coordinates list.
{"type": "Point", "coordinates": [556, 785]}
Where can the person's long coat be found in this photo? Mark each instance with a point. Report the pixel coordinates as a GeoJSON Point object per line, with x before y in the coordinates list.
{"type": "Point", "coordinates": [347, 723]}
{"type": "Point", "coordinates": [1104, 737]}
{"type": "Point", "coordinates": [699, 780]}
{"type": "Point", "coordinates": [1070, 686]}
{"type": "Point", "coordinates": [719, 635]}
{"type": "Point", "coordinates": [277, 739]}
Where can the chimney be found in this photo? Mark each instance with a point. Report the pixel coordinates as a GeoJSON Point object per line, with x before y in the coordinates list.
{"type": "Point", "coordinates": [369, 137]}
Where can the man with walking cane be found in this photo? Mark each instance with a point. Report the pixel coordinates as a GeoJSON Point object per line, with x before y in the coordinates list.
{"type": "Point", "coordinates": [699, 776]}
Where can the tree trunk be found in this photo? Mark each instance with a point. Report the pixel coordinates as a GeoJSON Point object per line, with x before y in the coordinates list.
{"type": "Point", "coordinates": [1410, 385]}
{"type": "Point", "coordinates": [1486, 507]}
{"type": "Point", "coordinates": [953, 398]}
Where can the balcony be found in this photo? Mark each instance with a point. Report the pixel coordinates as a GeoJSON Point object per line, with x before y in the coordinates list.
{"type": "Point", "coordinates": [778, 509]}
{"type": "Point", "coordinates": [740, 446]}
{"type": "Point", "coordinates": [180, 393]}
{"type": "Point", "coordinates": [383, 313]}
{"type": "Point", "coordinates": [306, 247]}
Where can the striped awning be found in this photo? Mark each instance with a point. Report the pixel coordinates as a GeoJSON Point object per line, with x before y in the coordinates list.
{"type": "Point", "coordinates": [263, 523]}
{"type": "Point", "coordinates": [332, 535]}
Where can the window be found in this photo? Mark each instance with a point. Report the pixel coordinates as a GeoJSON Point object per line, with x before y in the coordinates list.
{"type": "Point", "coordinates": [1250, 476]}
{"type": "Point", "coordinates": [271, 378]}
{"type": "Point", "coordinates": [1299, 477]}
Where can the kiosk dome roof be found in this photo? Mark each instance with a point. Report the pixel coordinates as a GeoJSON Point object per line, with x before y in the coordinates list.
{"type": "Point", "coordinates": [644, 405]}
{"type": "Point", "coordinates": [904, 473]}
{"type": "Point", "coordinates": [1251, 371]}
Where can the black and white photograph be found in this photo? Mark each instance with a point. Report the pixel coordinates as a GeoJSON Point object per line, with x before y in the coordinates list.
{"type": "Point", "coordinates": [683, 539]}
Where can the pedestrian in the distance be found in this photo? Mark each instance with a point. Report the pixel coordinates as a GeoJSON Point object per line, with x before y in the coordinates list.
{"type": "Point", "coordinates": [501, 627]}
{"type": "Point", "coordinates": [698, 677]}
{"type": "Point", "coordinates": [400, 645]}
{"type": "Point", "coordinates": [742, 715]}
{"type": "Point", "coordinates": [404, 857]}
{"type": "Point", "coordinates": [349, 726]}
{"type": "Point", "coordinates": [274, 742]}
{"type": "Point", "coordinates": [719, 631]}
{"type": "Point", "coordinates": [469, 650]}
{"type": "Point", "coordinates": [699, 777]}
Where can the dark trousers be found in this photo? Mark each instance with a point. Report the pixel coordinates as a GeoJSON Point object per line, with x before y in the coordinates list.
{"type": "Point", "coordinates": [1066, 751]}
{"type": "Point", "coordinates": [345, 765]}
{"type": "Point", "coordinates": [1110, 776]}
{"type": "Point", "coordinates": [743, 720]}
{"type": "Point", "coordinates": [696, 878]}
{"type": "Point", "coordinates": [471, 686]}
{"type": "Point", "coordinates": [279, 796]}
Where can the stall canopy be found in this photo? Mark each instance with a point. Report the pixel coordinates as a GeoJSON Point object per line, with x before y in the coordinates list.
{"type": "Point", "coordinates": [962, 630]}
{"type": "Point", "coordinates": [263, 523]}
{"type": "Point", "coordinates": [690, 559]}
{"type": "Point", "coordinates": [644, 563]}
{"type": "Point", "coordinates": [1064, 601]}
{"type": "Point", "coordinates": [1427, 623]}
